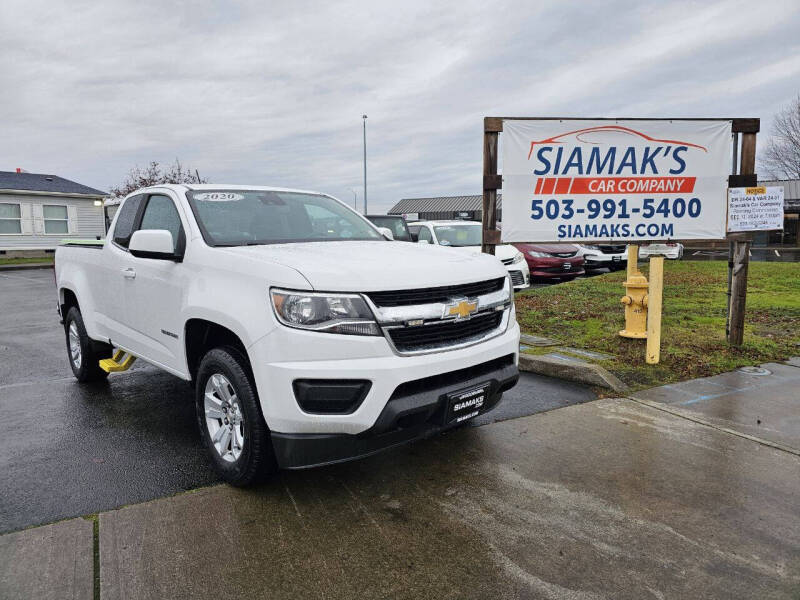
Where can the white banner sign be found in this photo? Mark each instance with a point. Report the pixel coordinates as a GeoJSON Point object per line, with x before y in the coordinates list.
{"type": "Point", "coordinates": [581, 180]}
{"type": "Point", "coordinates": [755, 209]}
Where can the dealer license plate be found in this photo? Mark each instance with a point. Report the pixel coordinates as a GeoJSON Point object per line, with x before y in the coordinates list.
{"type": "Point", "coordinates": [615, 258]}
{"type": "Point", "coordinates": [465, 404]}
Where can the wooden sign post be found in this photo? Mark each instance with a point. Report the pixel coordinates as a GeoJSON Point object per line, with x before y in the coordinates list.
{"type": "Point", "coordinates": [741, 243]}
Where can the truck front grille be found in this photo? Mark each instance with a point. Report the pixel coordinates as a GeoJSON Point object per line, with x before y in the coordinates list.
{"type": "Point", "coordinates": [435, 294]}
{"type": "Point", "coordinates": [444, 333]}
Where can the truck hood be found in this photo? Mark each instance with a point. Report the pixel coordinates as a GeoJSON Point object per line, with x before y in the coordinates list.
{"type": "Point", "coordinates": [376, 266]}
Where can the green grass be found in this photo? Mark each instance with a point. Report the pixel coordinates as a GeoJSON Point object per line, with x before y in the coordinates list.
{"type": "Point", "coordinates": [587, 313]}
{"type": "Point", "coordinates": [23, 261]}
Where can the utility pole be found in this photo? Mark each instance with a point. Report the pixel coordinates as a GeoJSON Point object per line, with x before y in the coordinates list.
{"type": "Point", "coordinates": [364, 118]}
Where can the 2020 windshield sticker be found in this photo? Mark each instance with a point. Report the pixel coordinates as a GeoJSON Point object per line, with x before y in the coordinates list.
{"type": "Point", "coordinates": [218, 197]}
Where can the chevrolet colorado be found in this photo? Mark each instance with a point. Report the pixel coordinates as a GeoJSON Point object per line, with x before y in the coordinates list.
{"type": "Point", "coordinates": [308, 336]}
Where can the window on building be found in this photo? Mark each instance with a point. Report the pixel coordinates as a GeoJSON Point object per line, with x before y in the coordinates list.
{"type": "Point", "coordinates": [10, 218]}
{"type": "Point", "coordinates": [55, 219]}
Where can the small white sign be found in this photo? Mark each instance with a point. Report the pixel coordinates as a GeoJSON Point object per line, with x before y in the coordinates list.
{"type": "Point", "coordinates": [755, 209]}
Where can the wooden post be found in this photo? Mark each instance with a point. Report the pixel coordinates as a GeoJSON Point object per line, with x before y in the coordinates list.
{"type": "Point", "coordinates": [741, 253]}
{"type": "Point", "coordinates": [490, 185]}
{"type": "Point", "coordinates": [633, 260]}
{"type": "Point", "coordinates": [654, 300]}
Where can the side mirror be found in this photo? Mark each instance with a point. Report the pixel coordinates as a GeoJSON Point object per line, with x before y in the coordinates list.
{"type": "Point", "coordinates": [153, 243]}
{"type": "Point", "coordinates": [386, 232]}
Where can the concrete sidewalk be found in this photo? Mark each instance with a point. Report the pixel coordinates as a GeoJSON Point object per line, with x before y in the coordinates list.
{"type": "Point", "coordinates": [656, 496]}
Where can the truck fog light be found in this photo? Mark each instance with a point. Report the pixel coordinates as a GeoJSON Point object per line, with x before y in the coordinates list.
{"type": "Point", "coordinates": [330, 396]}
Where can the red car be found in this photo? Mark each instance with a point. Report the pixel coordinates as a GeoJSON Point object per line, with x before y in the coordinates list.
{"type": "Point", "coordinates": [552, 261]}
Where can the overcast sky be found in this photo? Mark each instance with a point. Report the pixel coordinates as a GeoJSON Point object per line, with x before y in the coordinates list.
{"type": "Point", "coordinates": [272, 93]}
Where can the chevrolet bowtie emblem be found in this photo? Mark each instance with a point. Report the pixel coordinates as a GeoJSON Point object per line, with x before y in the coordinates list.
{"type": "Point", "coordinates": [460, 309]}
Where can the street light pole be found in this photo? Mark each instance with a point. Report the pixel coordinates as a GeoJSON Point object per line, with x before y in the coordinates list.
{"type": "Point", "coordinates": [364, 117]}
{"type": "Point", "coordinates": [355, 198]}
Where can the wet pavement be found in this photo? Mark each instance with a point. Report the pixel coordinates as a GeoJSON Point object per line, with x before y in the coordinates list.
{"type": "Point", "coordinates": [54, 562]}
{"type": "Point", "coordinates": [763, 402]}
{"type": "Point", "coordinates": [71, 449]}
{"type": "Point", "coordinates": [609, 499]}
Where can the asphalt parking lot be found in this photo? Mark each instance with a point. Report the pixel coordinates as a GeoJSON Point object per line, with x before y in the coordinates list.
{"type": "Point", "coordinates": [72, 450]}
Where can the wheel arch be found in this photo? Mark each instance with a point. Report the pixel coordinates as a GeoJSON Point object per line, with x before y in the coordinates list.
{"type": "Point", "coordinates": [67, 298]}
{"type": "Point", "coordinates": [201, 335]}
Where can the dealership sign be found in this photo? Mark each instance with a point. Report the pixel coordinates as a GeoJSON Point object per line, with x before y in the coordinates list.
{"type": "Point", "coordinates": [583, 180]}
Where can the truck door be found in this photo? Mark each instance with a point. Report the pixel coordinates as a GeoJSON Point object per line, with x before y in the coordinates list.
{"type": "Point", "coordinates": [113, 282]}
{"type": "Point", "coordinates": [156, 294]}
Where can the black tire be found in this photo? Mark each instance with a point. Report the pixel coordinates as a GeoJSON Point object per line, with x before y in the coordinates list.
{"type": "Point", "coordinates": [85, 369]}
{"type": "Point", "coordinates": [257, 459]}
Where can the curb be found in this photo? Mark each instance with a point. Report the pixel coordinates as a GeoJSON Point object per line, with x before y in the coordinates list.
{"type": "Point", "coordinates": [26, 266]}
{"type": "Point", "coordinates": [573, 371]}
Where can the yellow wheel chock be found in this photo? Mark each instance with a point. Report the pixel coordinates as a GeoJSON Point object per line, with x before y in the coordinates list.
{"type": "Point", "coordinates": [117, 363]}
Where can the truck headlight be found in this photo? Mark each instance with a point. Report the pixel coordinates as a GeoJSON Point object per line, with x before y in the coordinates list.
{"type": "Point", "coordinates": [330, 313]}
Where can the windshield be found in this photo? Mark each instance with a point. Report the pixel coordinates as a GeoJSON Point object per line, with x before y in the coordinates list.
{"type": "Point", "coordinates": [459, 235]}
{"type": "Point", "coordinates": [252, 217]}
{"type": "Point", "coordinates": [397, 225]}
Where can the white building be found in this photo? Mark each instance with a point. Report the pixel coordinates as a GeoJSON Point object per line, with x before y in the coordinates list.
{"type": "Point", "coordinates": [37, 211]}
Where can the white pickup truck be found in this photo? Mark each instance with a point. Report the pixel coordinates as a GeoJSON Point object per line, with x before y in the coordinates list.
{"type": "Point", "coordinates": [309, 337]}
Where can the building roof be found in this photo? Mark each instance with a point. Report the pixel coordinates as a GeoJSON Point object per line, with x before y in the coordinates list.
{"type": "Point", "coordinates": [440, 204]}
{"type": "Point", "coordinates": [791, 192]}
{"type": "Point", "coordinates": [40, 182]}
{"type": "Point", "coordinates": [791, 187]}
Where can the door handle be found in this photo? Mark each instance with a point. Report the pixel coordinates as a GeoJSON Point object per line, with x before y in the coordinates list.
{"type": "Point", "coordinates": [129, 273]}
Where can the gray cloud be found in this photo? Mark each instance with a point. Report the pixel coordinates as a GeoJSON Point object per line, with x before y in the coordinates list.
{"type": "Point", "coordinates": [272, 93]}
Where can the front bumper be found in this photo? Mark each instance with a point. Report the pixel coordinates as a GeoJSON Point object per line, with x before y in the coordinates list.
{"type": "Point", "coordinates": [520, 275]}
{"type": "Point", "coordinates": [286, 355]}
{"type": "Point", "coordinates": [416, 410]}
{"type": "Point", "coordinates": [554, 267]}
{"type": "Point", "coordinates": [598, 261]}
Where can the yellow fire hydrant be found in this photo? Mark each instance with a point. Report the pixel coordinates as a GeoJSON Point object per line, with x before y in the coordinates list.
{"type": "Point", "coordinates": [635, 300]}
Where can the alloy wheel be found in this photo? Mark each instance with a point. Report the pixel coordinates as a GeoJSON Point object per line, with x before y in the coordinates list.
{"type": "Point", "coordinates": [75, 345]}
{"type": "Point", "coordinates": [224, 417]}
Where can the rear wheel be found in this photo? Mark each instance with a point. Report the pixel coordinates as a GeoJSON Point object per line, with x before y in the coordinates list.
{"type": "Point", "coordinates": [231, 424]}
{"type": "Point", "coordinates": [84, 354]}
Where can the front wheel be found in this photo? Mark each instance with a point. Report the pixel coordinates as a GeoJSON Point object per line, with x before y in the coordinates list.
{"type": "Point", "coordinates": [231, 424]}
{"type": "Point", "coordinates": [84, 354]}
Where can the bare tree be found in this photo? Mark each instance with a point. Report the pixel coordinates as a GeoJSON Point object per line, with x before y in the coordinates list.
{"type": "Point", "coordinates": [781, 158]}
{"type": "Point", "coordinates": [154, 174]}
